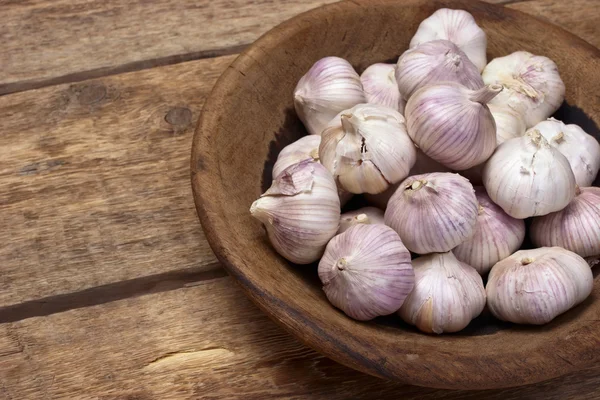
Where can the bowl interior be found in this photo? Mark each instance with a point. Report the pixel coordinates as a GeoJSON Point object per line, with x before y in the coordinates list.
{"type": "Point", "coordinates": [250, 117]}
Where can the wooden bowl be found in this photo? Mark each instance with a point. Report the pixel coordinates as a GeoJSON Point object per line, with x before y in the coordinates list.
{"type": "Point", "coordinates": [249, 117]}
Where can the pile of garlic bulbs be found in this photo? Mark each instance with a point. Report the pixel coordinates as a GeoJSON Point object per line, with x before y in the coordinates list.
{"type": "Point", "coordinates": [453, 154]}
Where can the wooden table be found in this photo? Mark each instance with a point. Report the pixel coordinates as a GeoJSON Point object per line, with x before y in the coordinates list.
{"type": "Point", "coordinates": [109, 289]}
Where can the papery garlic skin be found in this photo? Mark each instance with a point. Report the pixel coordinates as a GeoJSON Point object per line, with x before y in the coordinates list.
{"type": "Point", "coordinates": [509, 123]}
{"type": "Point", "coordinates": [300, 211]}
{"type": "Point", "coordinates": [457, 26]}
{"type": "Point", "coordinates": [581, 149]}
{"type": "Point", "coordinates": [380, 86]}
{"type": "Point", "coordinates": [452, 125]}
{"type": "Point", "coordinates": [496, 236]}
{"type": "Point", "coordinates": [532, 85]}
{"type": "Point", "coordinates": [535, 286]}
{"type": "Point", "coordinates": [433, 213]}
{"type": "Point", "coordinates": [447, 295]}
{"type": "Point", "coordinates": [435, 62]}
{"type": "Point", "coordinates": [365, 215]}
{"type": "Point", "coordinates": [305, 148]}
{"type": "Point", "coordinates": [330, 86]}
{"type": "Point", "coordinates": [528, 177]}
{"type": "Point", "coordinates": [366, 271]}
{"type": "Point", "coordinates": [575, 228]}
{"type": "Point", "coordinates": [367, 148]}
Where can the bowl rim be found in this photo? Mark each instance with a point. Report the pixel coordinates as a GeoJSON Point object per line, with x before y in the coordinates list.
{"type": "Point", "coordinates": [275, 308]}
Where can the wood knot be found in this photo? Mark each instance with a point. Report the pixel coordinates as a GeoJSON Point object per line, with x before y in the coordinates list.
{"type": "Point", "coordinates": [179, 116]}
{"type": "Point", "coordinates": [90, 94]}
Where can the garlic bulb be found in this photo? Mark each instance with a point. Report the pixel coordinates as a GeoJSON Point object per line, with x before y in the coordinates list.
{"type": "Point", "coordinates": [380, 86]}
{"type": "Point", "coordinates": [366, 271]}
{"type": "Point", "coordinates": [528, 177]}
{"type": "Point", "coordinates": [535, 286]}
{"type": "Point", "coordinates": [330, 86]}
{"type": "Point", "coordinates": [433, 213]}
{"type": "Point", "coordinates": [496, 236]}
{"type": "Point", "coordinates": [452, 124]}
{"type": "Point", "coordinates": [457, 26]}
{"type": "Point", "coordinates": [301, 211]}
{"type": "Point", "coordinates": [448, 294]}
{"type": "Point", "coordinates": [367, 149]}
{"type": "Point", "coordinates": [365, 215]}
{"type": "Point", "coordinates": [532, 85]}
{"type": "Point", "coordinates": [435, 62]}
{"type": "Point", "coordinates": [581, 149]}
{"type": "Point", "coordinates": [575, 228]}
{"type": "Point", "coordinates": [305, 148]}
{"type": "Point", "coordinates": [509, 123]}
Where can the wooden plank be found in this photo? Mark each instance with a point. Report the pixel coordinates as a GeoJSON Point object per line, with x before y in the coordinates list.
{"type": "Point", "coordinates": [205, 341]}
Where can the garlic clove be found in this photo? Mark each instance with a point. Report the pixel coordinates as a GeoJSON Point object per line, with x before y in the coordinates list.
{"type": "Point", "coordinates": [535, 286]}
{"type": "Point", "coordinates": [365, 215]}
{"type": "Point", "coordinates": [496, 236]}
{"type": "Point", "coordinates": [452, 125]}
{"type": "Point", "coordinates": [330, 86]}
{"type": "Point", "coordinates": [575, 228]}
{"type": "Point", "coordinates": [457, 26]}
{"type": "Point", "coordinates": [509, 123]}
{"type": "Point", "coordinates": [305, 148]}
{"type": "Point", "coordinates": [366, 271]}
{"type": "Point", "coordinates": [433, 213]}
{"type": "Point", "coordinates": [447, 295]}
{"type": "Point", "coordinates": [532, 85]}
{"type": "Point", "coordinates": [528, 177]}
{"type": "Point", "coordinates": [435, 62]}
{"type": "Point", "coordinates": [300, 211]}
{"type": "Point", "coordinates": [367, 149]}
{"type": "Point", "coordinates": [581, 149]}
{"type": "Point", "coordinates": [380, 86]}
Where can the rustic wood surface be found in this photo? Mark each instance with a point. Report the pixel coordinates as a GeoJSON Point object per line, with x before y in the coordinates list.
{"type": "Point", "coordinates": [109, 289]}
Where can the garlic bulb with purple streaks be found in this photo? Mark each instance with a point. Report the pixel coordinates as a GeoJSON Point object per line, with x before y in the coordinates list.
{"type": "Point", "coordinates": [581, 149]}
{"type": "Point", "coordinates": [496, 236]}
{"type": "Point", "coordinates": [509, 123]}
{"type": "Point", "coordinates": [330, 86]}
{"type": "Point", "coordinates": [535, 286]}
{"type": "Point", "coordinates": [366, 271]}
{"type": "Point", "coordinates": [380, 86]}
{"type": "Point", "coordinates": [532, 85]}
{"type": "Point", "coordinates": [457, 26]}
{"type": "Point", "coordinates": [435, 62]}
{"type": "Point", "coordinates": [300, 211]}
{"type": "Point", "coordinates": [305, 148]}
{"type": "Point", "coordinates": [528, 177]}
{"type": "Point", "coordinates": [452, 125]}
{"type": "Point", "coordinates": [447, 295]}
{"type": "Point", "coordinates": [575, 228]}
{"type": "Point", "coordinates": [367, 149]}
{"type": "Point", "coordinates": [365, 215]}
{"type": "Point", "coordinates": [433, 213]}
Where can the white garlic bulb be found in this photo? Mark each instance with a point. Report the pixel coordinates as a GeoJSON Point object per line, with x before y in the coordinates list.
{"type": "Point", "coordinates": [433, 213]}
{"type": "Point", "coordinates": [300, 211]}
{"type": "Point", "coordinates": [509, 123]}
{"type": "Point", "coordinates": [447, 295]}
{"type": "Point", "coordinates": [330, 86]}
{"type": "Point", "coordinates": [367, 149]}
{"type": "Point", "coordinates": [305, 148]}
{"type": "Point", "coordinates": [575, 228]}
{"type": "Point", "coordinates": [380, 86]}
{"type": "Point", "coordinates": [457, 26]}
{"type": "Point", "coordinates": [452, 124]}
{"type": "Point", "coordinates": [528, 177]}
{"type": "Point", "coordinates": [496, 236]}
{"type": "Point", "coordinates": [532, 85]}
{"type": "Point", "coordinates": [366, 271]}
{"type": "Point", "coordinates": [365, 215]}
{"type": "Point", "coordinates": [435, 62]}
{"type": "Point", "coordinates": [581, 149]}
{"type": "Point", "coordinates": [535, 286]}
